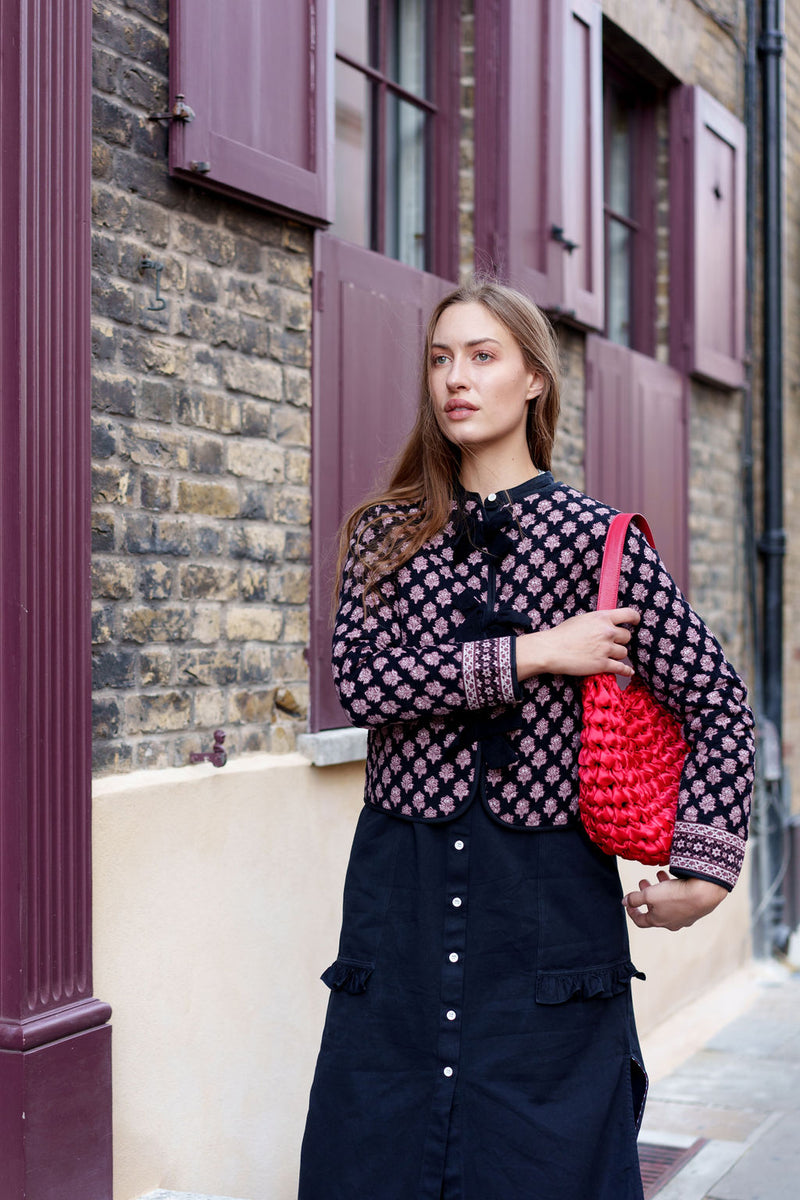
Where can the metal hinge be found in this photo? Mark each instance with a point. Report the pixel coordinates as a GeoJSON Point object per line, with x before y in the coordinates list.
{"type": "Point", "coordinates": [180, 111]}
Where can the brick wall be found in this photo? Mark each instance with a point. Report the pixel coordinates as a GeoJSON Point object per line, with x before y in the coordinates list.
{"type": "Point", "coordinates": [200, 437]}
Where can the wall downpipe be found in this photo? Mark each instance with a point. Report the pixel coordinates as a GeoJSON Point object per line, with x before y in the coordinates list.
{"type": "Point", "coordinates": [771, 821]}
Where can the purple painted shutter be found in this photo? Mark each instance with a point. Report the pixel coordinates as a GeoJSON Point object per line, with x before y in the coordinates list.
{"type": "Point", "coordinates": [255, 73]}
{"type": "Point", "coordinates": [369, 322]}
{"type": "Point", "coordinates": [707, 268]}
{"type": "Point", "coordinates": [636, 443]}
{"type": "Point", "coordinates": [539, 161]}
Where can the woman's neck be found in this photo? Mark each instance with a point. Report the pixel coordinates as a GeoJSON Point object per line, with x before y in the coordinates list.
{"type": "Point", "coordinates": [482, 475]}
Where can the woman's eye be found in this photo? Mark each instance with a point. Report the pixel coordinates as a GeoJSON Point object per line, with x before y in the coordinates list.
{"type": "Point", "coordinates": [438, 359]}
{"type": "Point", "coordinates": [483, 356]}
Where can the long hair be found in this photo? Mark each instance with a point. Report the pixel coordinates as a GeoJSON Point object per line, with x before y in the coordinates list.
{"type": "Point", "coordinates": [426, 471]}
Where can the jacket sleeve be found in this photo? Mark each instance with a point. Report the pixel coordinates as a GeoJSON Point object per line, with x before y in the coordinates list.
{"type": "Point", "coordinates": [686, 669]}
{"type": "Point", "coordinates": [382, 674]}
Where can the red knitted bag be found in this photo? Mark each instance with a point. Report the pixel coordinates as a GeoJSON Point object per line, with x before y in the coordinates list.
{"type": "Point", "coordinates": [632, 749]}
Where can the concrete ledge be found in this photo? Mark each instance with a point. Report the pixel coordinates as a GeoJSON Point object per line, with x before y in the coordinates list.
{"type": "Point", "coordinates": [181, 1196]}
{"type": "Point", "coordinates": [333, 746]}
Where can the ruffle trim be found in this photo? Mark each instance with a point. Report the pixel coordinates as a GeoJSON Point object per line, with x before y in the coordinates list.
{"type": "Point", "coordinates": [593, 983]}
{"type": "Point", "coordinates": [347, 975]}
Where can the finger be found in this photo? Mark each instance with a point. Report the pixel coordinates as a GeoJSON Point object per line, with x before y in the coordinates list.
{"type": "Point", "coordinates": [624, 616]}
{"type": "Point", "coordinates": [664, 877]}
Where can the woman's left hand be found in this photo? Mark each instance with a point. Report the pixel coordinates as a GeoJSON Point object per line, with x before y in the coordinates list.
{"type": "Point", "coordinates": [672, 903]}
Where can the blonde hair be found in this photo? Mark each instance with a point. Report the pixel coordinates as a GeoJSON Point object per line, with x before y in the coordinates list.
{"type": "Point", "coordinates": [426, 470]}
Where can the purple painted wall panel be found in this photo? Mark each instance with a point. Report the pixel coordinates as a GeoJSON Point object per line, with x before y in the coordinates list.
{"type": "Point", "coordinates": [636, 443]}
{"type": "Point", "coordinates": [369, 320]}
{"type": "Point", "coordinates": [257, 77]}
{"type": "Point", "coordinates": [539, 151]}
{"type": "Point", "coordinates": [44, 524]}
{"type": "Point", "coordinates": [707, 230]}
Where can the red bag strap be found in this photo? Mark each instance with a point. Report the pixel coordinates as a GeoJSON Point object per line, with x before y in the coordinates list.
{"type": "Point", "coordinates": [612, 556]}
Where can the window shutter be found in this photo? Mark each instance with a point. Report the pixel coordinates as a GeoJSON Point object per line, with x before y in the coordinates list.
{"type": "Point", "coordinates": [707, 260]}
{"type": "Point", "coordinates": [636, 443]}
{"type": "Point", "coordinates": [369, 322]}
{"type": "Point", "coordinates": [255, 73]}
{"type": "Point", "coordinates": [539, 152]}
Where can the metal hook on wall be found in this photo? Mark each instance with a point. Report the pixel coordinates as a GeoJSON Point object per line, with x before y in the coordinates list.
{"type": "Point", "coordinates": [149, 264]}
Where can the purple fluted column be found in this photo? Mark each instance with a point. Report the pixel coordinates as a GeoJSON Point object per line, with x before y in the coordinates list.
{"type": "Point", "coordinates": [55, 1045]}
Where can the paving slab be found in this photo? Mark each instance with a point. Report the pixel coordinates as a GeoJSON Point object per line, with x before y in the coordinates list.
{"type": "Point", "coordinates": [768, 1170]}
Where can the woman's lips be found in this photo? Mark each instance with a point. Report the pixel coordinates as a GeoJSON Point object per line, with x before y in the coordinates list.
{"type": "Point", "coordinates": [457, 410]}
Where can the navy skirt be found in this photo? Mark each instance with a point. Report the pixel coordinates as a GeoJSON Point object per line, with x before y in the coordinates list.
{"type": "Point", "coordinates": [480, 1041]}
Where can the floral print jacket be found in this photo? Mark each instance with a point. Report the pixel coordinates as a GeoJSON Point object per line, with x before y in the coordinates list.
{"type": "Point", "coordinates": [430, 669]}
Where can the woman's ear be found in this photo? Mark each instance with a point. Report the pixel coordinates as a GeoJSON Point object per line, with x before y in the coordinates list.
{"type": "Point", "coordinates": [535, 385]}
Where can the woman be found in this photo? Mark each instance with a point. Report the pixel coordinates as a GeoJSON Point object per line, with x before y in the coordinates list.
{"type": "Point", "coordinates": [480, 1041]}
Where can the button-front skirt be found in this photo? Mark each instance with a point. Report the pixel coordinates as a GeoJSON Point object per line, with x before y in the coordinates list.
{"type": "Point", "coordinates": [480, 1041]}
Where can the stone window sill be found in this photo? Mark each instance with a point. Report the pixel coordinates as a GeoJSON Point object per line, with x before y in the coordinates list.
{"type": "Point", "coordinates": [331, 747]}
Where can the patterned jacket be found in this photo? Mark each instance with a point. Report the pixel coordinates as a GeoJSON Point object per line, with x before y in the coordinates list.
{"type": "Point", "coordinates": [430, 669]}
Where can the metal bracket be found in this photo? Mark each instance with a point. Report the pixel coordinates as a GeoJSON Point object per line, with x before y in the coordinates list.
{"type": "Point", "coordinates": [217, 757]}
{"type": "Point", "coordinates": [557, 234]}
{"type": "Point", "coordinates": [148, 264]}
{"type": "Point", "coordinates": [180, 111]}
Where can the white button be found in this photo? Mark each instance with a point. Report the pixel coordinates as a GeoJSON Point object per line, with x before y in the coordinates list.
{"type": "Point", "coordinates": [448, 1071]}
{"type": "Point", "coordinates": [459, 845]}
{"type": "Point", "coordinates": [492, 496]}
{"type": "Point", "coordinates": [454, 957]}
{"type": "Point", "coordinates": [456, 902]}
{"type": "Point", "coordinates": [451, 1016]}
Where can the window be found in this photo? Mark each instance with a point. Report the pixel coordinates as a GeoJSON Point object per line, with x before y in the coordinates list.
{"type": "Point", "coordinates": [629, 209]}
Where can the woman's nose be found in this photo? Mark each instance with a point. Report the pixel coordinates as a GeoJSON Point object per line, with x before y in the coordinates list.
{"type": "Point", "coordinates": [455, 376]}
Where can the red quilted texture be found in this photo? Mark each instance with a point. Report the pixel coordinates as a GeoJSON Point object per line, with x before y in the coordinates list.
{"type": "Point", "coordinates": [630, 763]}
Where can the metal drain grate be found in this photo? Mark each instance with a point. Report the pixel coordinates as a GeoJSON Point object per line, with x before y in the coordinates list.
{"type": "Point", "coordinates": [659, 1164]}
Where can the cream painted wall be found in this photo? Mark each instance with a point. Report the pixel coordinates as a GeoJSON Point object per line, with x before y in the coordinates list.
{"type": "Point", "coordinates": [217, 900]}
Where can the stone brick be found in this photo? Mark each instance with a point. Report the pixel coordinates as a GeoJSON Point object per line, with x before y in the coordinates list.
{"type": "Point", "coordinates": [295, 626]}
{"type": "Point", "coordinates": [256, 664]}
{"type": "Point", "coordinates": [114, 298]}
{"type": "Point", "coordinates": [256, 502]}
{"type": "Point", "coordinates": [249, 624]}
{"type": "Point", "coordinates": [113, 669]}
{"type": "Point", "coordinates": [170, 623]}
{"type": "Point", "coordinates": [251, 706]}
{"type": "Point", "coordinates": [105, 69]}
{"type": "Point", "coordinates": [112, 579]}
{"type": "Point", "coordinates": [106, 718]}
{"type": "Point", "coordinates": [155, 491]}
{"type": "Point", "coordinates": [291, 585]}
{"type": "Point", "coordinates": [211, 243]}
{"type": "Point", "coordinates": [213, 499]}
{"type": "Point", "coordinates": [210, 410]}
{"type": "Point", "coordinates": [154, 447]}
{"type": "Point", "coordinates": [253, 297]}
{"type": "Point", "coordinates": [105, 253]}
{"type": "Point", "coordinates": [207, 456]}
{"type": "Point", "coordinates": [256, 418]}
{"type": "Point", "coordinates": [256, 460]}
{"type": "Point", "coordinates": [298, 545]}
{"type": "Point", "coordinates": [146, 535]}
{"type": "Point", "coordinates": [144, 89]}
{"type": "Point", "coordinates": [293, 506]}
{"type": "Point", "coordinates": [113, 393]}
{"type": "Point", "coordinates": [111, 757]}
{"type": "Point", "coordinates": [206, 367]}
{"type": "Point", "coordinates": [206, 624]}
{"type": "Point", "coordinates": [290, 426]}
{"type": "Point", "coordinates": [207, 667]}
{"type": "Point", "coordinates": [158, 713]}
{"type": "Point", "coordinates": [155, 754]}
{"type": "Point", "coordinates": [203, 581]}
{"type": "Point", "coordinates": [110, 208]}
{"type": "Point", "coordinates": [255, 583]}
{"type": "Point", "coordinates": [296, 237]}
{"type": "Point", "coordinates": [210, 711]}
{"type": "Point", "coordinates": [253, 336]}
{"type": "Point", "coordinates": [103, 531]}
{"type": "Point", "coordinates": [203, 284]}
{"type": "Point", "coordinates": [287, 346]}
{"type": "Point", "coordinates": [288, 662]}
{"type": "Point", "coordinates": [261, 543]}
{"type": "Point", "coordinates": [155, 400]}
{"type": "Point", "coordinates": [155, 667]}
{"type": "Point", "coordinates": [262, 379]}
{"type": "Point", "coordinates": [111, 121]}
{"type": "Point", "coordinates": [103, 340]}
{"type": "Point", "coordinates": [155, 581]}
{"type": "Point", "coordinates": [102, 624]}
{"type": "Point", "coordinates": [296, 311]}
{"type": "Point", "coordinates": [289, 270]}
{"type": "Point", "coordinates": [102, 158]}
{"type": "Point", "coordinates": [111, 485]}
{"type": "Point", "coordinates": [104, 442]}
{"type": "Point", "coordinates": [298, 467]}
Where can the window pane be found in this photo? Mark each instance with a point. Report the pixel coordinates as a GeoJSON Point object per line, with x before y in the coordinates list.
{"type": "Point", "coordinates": [352, 28]}
{"type": "Point", "coordinates": [352, 156]}
{"type": "Point", "coordinates": [618, 275]}
{"type": "Point", "coordinates": [405, 183]}
{"type": "Point", "coordinates": [407, 59]}
{"type": "Point", "coordinates": [618, 189]}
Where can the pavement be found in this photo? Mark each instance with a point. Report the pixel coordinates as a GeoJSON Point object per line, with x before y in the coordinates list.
{"type": "Point", "coordinates": [737, 1094]}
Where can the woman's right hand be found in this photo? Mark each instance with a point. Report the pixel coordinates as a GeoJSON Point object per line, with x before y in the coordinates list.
{"type": "Point", "coordinates": [591, 643]}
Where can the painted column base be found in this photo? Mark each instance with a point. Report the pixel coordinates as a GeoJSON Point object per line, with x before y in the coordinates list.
{"type": "Point", "coordinates": [55, 1119]}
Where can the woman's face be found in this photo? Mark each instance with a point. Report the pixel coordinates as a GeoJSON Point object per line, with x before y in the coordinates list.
{"type": "Point", "coordinates": [479, 384]}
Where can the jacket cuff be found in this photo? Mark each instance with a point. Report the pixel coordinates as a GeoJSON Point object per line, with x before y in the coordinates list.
{"type": "Point", "coordinates": [489, 672]}
{"type": "Point", "coordinates": [707, 852]}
